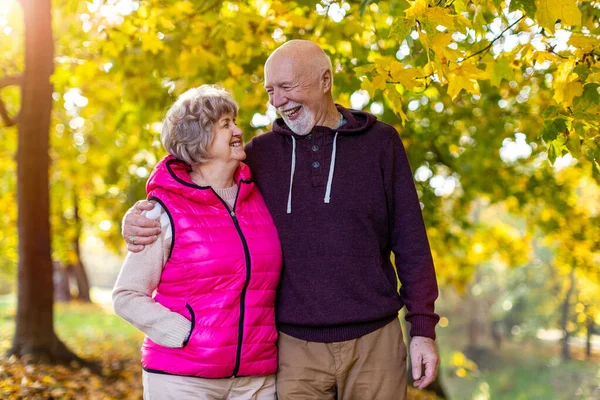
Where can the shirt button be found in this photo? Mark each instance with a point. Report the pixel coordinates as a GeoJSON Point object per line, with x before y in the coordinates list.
{"type": "Point", "coordinates": [315, 147]}
{"type": "Point", "coordinates": [309, 137]}
{"type": "Point", "coordinates": [316, 164]}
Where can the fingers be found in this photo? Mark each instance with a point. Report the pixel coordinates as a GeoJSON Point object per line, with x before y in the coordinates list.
{"type": "Point", "coordinates": [140, 226]}
{"type": "Point", "coordinates": [140, 232]}
{"type": "Point", "coordinates": [143, 205]}
{"type": "Point", "coordinates": [416, 359]}
{"type": "Point", "coordinates": [134, 248]}
{"type": "Point", "coordinates": [430, 375]}
{"type": "Point", "coordinates": [141, 240]}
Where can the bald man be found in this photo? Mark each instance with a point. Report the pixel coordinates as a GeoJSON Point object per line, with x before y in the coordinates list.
{"type": "Point", "coordinates": [339, 187]}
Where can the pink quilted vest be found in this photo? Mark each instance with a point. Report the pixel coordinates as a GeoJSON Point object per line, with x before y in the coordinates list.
{"type": "Point", "coordinates": [222, 275]}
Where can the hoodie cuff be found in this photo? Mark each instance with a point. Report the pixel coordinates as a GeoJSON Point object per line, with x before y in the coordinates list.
{"type": "Point", "coordinates": [421, 325]}
{"type": "Point", "coordinates": [179, 332]}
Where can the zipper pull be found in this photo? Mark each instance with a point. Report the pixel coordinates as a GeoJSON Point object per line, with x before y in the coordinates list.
{"type": "Point", "coordinates": [233, 213]}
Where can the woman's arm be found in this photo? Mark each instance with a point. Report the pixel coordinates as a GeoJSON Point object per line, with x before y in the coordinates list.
{"type": "Point", "coordinates": [139, 277]}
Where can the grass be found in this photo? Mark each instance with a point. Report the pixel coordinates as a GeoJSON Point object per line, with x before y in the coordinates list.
{"type": "Point", "coordinates": [522, 371]}
{"type": "Point", "coordinates": [92, 332]}
{"type": "Point", "coordinates": [518, 372]}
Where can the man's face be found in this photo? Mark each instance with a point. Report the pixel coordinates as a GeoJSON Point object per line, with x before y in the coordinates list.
{"type": "Point", "coordinates": [296, 92]}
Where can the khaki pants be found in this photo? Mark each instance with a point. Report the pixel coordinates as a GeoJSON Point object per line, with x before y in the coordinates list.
{"type": "Point", "coordinates": [173, 387]}
{"type": "Point", "coordinates": [372, 367]}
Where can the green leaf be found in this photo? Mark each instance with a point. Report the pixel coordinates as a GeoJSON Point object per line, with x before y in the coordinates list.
{"type": "Point", "coordinates": [552, 153]}
{"type": "Point", "coordinates": [502, 70]}
{"type": "Point", "coordinates": [574, 144]}
{"type": "Point", "coordinates": [590, 97]}
{"type": "Point", "coordinates": [550, 111]}
{"type": "Point", "coordinates": [363, 6]}
{"type": "Point", "coordinates": [551, 129]}
{"type": "Point", "coordinates": [527, 6]}
{"type": "Point", "coordinates": [460, 6]}
{"type": "Point", "coordinates": [401, 28]}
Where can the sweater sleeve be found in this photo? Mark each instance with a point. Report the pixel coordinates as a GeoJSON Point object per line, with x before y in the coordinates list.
{"type": "Point", "coordinates": [139, 277]}
{"type": "Point", "coordinates": [409, 241]}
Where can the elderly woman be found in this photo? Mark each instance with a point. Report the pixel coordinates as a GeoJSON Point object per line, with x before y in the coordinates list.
{"type": "Point", "coordinates": [204, 292]}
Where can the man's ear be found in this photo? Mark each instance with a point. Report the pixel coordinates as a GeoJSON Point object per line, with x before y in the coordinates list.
{"type": "Point", "coordinates": [326, 81]}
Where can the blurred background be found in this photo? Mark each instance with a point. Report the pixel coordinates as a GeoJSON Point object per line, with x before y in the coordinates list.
{"type": "Point", "coordinates": [497, 102]}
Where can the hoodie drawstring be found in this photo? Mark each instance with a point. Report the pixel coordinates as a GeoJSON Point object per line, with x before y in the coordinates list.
{"type": "Point", "coordinates": [289, 203]}
{"type": "Point", "coordinates": [329, 179]}
{"type": "Point", "coordinates": [331, 169]}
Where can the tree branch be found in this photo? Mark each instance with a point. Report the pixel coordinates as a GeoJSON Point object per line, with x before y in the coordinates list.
{"type": "Point", "coordinates": [5, 82]}
{"type": "Point", "coordinates": [8, 121]}
{"type": "Point", "coordinates": [11, 81]}
{"type": "Point", "coordinates": [486, 48]}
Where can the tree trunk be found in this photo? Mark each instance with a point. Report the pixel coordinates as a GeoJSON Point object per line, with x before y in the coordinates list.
{"type": "Point", "coordinates": [588, 338]}
{"type": "Point", "coordinates": [566, 353]}
{"type": "Point", "coordinates": [34, 337]}
{"type": "Point", "coordinates": [62, 292]}
{"type": "Point", "coordinates": [83, 284]}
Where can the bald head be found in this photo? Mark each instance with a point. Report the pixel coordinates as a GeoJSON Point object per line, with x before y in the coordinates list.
{"type": "Point", "coordinates": [298, 79]}
{"type": "Point", "coordinates": [303, 55]}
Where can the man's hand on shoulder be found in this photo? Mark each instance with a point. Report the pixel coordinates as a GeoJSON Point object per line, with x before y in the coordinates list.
{"type": "Point", "coordinates": [137, 230]}
{"type": "Point", "coordinates": [423, 353]}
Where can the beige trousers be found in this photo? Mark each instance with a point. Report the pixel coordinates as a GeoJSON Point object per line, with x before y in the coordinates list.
{"type": "Point", "coordinates": [173, 387]}
{"type": "Point", "coordinates": [372, 367]}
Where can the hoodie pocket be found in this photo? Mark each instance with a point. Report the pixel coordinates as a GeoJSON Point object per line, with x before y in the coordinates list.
{"type": "Point", "coordinates": [192, 323]}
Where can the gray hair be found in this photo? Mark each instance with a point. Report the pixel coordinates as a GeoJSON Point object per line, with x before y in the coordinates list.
{"type": "Point", "coordinates": [188, 128]}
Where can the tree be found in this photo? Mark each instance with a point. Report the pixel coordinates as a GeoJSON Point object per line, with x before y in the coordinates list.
{"type": "Point", "coordinates": [34, 334]}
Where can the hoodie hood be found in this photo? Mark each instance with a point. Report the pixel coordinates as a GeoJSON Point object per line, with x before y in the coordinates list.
{"type": "Point", "coordinates": [357, 122]}
{"type": "Point", "coordinates": [172, 175]}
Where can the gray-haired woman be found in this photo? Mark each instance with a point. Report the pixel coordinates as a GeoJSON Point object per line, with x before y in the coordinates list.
{"type": "Point", "coordinates": [204, 293]}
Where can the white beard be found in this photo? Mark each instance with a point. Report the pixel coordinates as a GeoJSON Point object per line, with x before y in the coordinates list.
{"type": "Point", "coordinates": [302, 125]}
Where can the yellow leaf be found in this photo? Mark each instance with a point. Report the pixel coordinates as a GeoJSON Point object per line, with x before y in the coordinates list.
{"type": "Point", "coordinates": [465, 77]}
{"type": "Point", "coordinates": [184, 7]}
{"type": "Point", "coordinates": [406, 76]}
{"type": "Point", "coordinates": [234, 69]}
{"type": "Point", "coordinates": [396, 103]}
{"type": "Point", "coordinates": [549, 11]}
{"type": "Point", "coordinates": [151, 42]}
{"type": "Point", "coordinates": [566, 93]}
{"type": "Point", "coordinates": [364, 69]}
{"type": "Point", "coordinates": [439, 44]}
{"type": "Point", "coordinates": [234, 48]}
{"type": "Point", "coordinates": [368, 86]}
{"type": "Point", "coordinates": [379, 82]}
{"type": "Point", "coordinates": [440, 16]}
{"type": "Point", "coordinates": [417, 9]}
{"type": "Point", "coordinates": [586, 43]}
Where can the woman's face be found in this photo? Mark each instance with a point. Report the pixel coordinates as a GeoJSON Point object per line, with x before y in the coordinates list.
{"type": "Point", "coordinates": [228, 143]}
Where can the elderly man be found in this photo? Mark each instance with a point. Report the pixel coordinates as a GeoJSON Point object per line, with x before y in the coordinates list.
{"type": "Point", "coordinates": [339, 187]}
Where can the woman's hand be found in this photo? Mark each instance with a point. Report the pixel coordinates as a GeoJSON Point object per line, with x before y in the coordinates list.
{"type": "Point", "coordinates": [137, 230]}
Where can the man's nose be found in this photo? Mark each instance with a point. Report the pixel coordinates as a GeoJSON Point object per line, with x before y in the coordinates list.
{"type": "Point", "coordinates": [237, 131]}
{"type": "Point", "coordinates": [277, 100]}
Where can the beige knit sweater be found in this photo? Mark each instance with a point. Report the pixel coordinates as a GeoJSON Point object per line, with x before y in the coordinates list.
{"type": "Point", "coordinates": [139, 278]}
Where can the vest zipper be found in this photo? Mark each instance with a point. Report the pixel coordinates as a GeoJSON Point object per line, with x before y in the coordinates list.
{"type": "Point", "coordinates": [238, 355]}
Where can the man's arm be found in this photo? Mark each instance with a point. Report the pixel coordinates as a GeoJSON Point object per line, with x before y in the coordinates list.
{"type": "Point", "coordinates": [137, 230]}
{"type": "Point", "coordinates": [414, 262]}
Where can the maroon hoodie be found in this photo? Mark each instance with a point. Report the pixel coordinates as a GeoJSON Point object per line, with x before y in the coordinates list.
{"type": "Point", "coordinates": [348, 204]}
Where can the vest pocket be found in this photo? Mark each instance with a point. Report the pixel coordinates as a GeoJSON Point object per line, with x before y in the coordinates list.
{"type": "Point", "coordinates": [192, 323]}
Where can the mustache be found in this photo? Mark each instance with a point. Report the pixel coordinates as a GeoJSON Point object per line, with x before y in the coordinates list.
{"type": "Point", "coordinates": [288, 107]}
